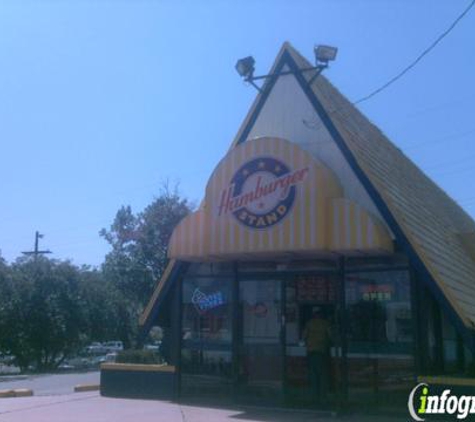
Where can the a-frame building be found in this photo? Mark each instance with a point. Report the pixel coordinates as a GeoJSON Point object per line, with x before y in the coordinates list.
{"type": "Point", "coordinates": [314, 210]}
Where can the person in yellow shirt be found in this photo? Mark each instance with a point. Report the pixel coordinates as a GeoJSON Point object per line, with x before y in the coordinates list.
{"type": "Point", "coordinates": [317, 339]}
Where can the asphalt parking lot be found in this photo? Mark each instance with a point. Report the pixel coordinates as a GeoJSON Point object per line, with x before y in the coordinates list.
{"type": "Point", "coordinates": [49, 384]}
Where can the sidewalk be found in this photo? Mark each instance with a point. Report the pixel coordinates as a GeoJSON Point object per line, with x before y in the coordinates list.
{"type": "Point", "coordinates": [91, 407]}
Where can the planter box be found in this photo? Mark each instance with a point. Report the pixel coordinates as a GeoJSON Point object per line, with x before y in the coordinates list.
{"type": "Point", "coordinates": [138, 381]}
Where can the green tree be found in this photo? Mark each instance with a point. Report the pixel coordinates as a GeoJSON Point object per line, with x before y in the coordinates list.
{"type": "Point", "coordinates": [50, 309]}
{"type": "Point", "coordinates": [40, 316]}
{"type": "Point", "coordinates": [139, 245]}
{"type": "Point", "coordinates": [107, 312]}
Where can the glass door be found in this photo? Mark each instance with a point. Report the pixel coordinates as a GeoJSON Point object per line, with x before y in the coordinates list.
{"type": "Point", "coordinates": [260, 373]}
{"type": "Point", "coordinates": [312, 346]}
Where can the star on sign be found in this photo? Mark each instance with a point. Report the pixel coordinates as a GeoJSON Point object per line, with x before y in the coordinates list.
{"type": "Point", "coordinates": [245, 172]}
{"type": "Point", "coordinates": [277, 169]}
{"type": "Point", "coordinates": [262, 164]}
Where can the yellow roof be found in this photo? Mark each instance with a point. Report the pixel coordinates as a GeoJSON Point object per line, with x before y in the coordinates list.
{"type": "Point", "coordinates": [428, 224]}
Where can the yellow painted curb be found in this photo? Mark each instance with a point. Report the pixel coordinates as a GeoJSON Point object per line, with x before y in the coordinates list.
{"type": "Point", "coordinates": [20, 392]}
{"type": "Point", "coordinates": [137, 367]}
{"type": "Point", "coordinates": [7, 393]}
{"type": "Point", "coordinates": [23, 392]}
{"type": "Point", "coordinates": [81, 388]}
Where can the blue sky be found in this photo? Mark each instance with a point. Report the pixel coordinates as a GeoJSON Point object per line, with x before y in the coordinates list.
{"type": "Point", "coordinates": [102, 101]}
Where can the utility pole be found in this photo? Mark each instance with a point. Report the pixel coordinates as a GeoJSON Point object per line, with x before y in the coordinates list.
{"type": "Point", "coordinates": [37, 252]}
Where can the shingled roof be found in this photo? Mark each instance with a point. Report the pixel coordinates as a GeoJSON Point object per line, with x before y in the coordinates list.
{"type": "Point", "coordinates": [434, 231]}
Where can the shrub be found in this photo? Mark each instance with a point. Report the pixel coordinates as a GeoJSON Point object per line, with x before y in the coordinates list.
{"type": "Point", "coordinates": [138, 356]}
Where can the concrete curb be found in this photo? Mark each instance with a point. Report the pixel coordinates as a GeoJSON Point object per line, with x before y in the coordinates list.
{"type": "Point", "coordinates": [19, 392]}
{"type": "Point", "coordinates": [81, 388]}
{"type": "Point", "coordinates": [23, 392]}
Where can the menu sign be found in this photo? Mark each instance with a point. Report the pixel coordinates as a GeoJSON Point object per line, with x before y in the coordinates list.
{"type": "Point", "coordinates": [317, 289]}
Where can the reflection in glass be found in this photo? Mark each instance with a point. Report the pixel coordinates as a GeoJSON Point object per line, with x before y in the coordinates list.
{"type": "Point", "coordinates": [206, 335]}
{"type": "Point", "coordinates": [261, 349]}
{"type": "Point", "coordinates": [380, 338]}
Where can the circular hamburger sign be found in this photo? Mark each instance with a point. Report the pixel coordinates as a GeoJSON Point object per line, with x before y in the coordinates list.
{"type": "Point", "coordinates": [261, 193]}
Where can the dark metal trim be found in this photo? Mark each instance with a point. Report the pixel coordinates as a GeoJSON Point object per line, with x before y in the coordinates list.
{"type": "Point", "coordinates": [377, 270]}
{"type": "Point", "coordinates": [439, 339]}
{"type": "Point", "coordinates": [236, 333]}
{"type": "Point", "coordinates": [318, 69]}
{"type": "Point", "coordinates": [343, 326]}
{"type": "Point", "coordinates": [292, 273]}
{"type": "Point", "coordinates": [227, 276]}
{"type": "Point", "coordinates": [264, 94]}
{"type": "Point", "coordinates": [283, 333]}
{"type": "Point", "coordinates": [288, 72]}
{"type": "Point", "coordinates": [416, 324]}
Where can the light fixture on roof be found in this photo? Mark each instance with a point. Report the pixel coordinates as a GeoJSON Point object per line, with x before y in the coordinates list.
{"type": "Point", "coordinates": [323, 54]}
{"type": "Point", "coordinates": [245, 66]}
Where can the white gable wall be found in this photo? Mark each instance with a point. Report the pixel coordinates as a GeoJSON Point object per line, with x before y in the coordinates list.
{"type": "Point", "coordinates": [288, 114]}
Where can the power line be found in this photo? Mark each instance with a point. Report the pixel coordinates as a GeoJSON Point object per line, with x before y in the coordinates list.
{"type": "Point", "coordinates": [454, 171]}
{"type": "Point", "coordinates": [440, 106]}
{"type": "Point", "coordinates": [467, 200]}
{"type": "Point", "coordinates": [452, 137]}
{"type": "Point", "coordinates": [456, 163]}
{"type": "Point", "coordinates": [418, 58]}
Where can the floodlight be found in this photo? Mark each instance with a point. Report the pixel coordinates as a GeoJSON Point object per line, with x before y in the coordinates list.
{"type": "Point", "coordinates": [245, 67]}
{"type": "Point", "coordinates": [325, 53]}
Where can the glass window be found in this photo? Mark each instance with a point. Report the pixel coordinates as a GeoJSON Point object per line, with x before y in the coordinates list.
{"type": "Point", "coordinates": [206, 333]}
{"type": "Point", "coordinates": [379, 311]}
{"type": "Point", "coordinates": [380, 338]}
{"type": "Point", "coordinates": [206, 313]}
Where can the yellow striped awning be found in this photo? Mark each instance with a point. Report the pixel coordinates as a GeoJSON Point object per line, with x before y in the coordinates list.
{"type": "Point", "coordinates": [268, 196]}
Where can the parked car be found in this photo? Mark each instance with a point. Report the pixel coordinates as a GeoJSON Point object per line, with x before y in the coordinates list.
{"type": "Point", "coordinates": [110, 357]}
{"type": "Point", "coordinates": [96, 348]}
{"type": "Point", "coordinates": [65, 366]}
{"type": "Point", "coordinates": [113, 346]}
{"type": "Point", "coordinates": [153, 347]}
{"type": "Point", "coordinates": [6, 359]}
